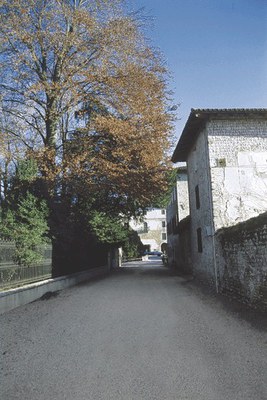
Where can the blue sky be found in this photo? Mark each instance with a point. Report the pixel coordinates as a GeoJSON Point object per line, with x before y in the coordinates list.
{"type": "Point", "coordinates": [216, 51]}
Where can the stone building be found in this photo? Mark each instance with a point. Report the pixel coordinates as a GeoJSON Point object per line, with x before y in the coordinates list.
{"type": "Point", "coordinates": [226, 155]}
{"type": "Point", "coordinates": [152, 229]}
{"type": "Point", "coordinates": [177, 211]}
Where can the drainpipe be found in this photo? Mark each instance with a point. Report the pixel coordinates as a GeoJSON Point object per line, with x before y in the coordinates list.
{"type": "Point", "coordinates": [215, 262]}
{"type": "Point", "coordinates": [212, 215]}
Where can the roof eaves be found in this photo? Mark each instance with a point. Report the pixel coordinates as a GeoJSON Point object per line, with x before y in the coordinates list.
{"type": "Point", "coordinates": [197, 120]}
{"type": "Point", "coordinates": [190, 133]}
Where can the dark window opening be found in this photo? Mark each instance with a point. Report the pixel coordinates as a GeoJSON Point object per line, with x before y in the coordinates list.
{"type": "Point", "coordinates": [163, 224]}
{"type": "Point", "coordinates": [162, 211]}
{"type": "Point", "coordinates": [221, 162]}
{"type": "Point", "coordinates": [197, 197]}
{"type": "Point", "coordinates": [199, 240]}
{"type": "Point", "coordinates": [145, 227]}
{"type": "Point", "coordinates": [164, 236]}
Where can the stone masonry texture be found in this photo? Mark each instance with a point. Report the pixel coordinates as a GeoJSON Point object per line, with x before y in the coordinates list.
{"type": "Point", "coordinates": [242, 261]}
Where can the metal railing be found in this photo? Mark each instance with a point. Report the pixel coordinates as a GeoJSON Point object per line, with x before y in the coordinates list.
{"type": "Point", "coordinates": [14, 275]}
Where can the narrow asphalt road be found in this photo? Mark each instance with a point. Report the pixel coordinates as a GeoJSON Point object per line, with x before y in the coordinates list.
{"type": "Point", "coordinates": [137, 334]}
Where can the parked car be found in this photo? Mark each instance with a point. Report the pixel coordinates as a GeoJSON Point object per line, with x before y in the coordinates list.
{"type": "Point", "coordinates": [153, 253]}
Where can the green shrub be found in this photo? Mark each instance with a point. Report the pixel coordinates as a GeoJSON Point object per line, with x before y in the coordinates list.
{"type": "Point", "coordinates": [27, 226]}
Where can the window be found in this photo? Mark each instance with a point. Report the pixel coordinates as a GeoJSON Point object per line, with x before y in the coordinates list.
{"type": "Point", "coordinates": [197, 197]}
{"type": "Point", "coordinates": [163, 224]}
{"type": "Point", "coordinates": [199, 241]}
{"type": "Point", "coordinates": [145, 227]}
{"type": "Point", "coordinates": [163, 236]}
{"type": "Point", "coordinates": [220, 162]}
{"type": "Point", "coordinates": [163, 212]}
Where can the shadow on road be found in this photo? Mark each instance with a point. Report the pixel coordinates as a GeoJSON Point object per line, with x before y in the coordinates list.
{"type": "Point", "coordinates": [255, 317]}
{"type": "Point", "coordinates": [155, 270]}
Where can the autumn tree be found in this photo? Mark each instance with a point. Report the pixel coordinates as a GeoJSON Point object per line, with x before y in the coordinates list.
{"type": "Point", "coordinates": [88, 99]}
{"type": "Point", "coordinates": [62, 59]}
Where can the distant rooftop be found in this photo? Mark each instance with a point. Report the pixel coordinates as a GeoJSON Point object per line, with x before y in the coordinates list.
{"type": "Point", "coordinates": [197, 121]}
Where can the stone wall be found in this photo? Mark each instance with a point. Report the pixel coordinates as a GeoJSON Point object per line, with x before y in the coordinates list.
{"type": "Point", "coordinates": [241, 252]}
{"type": "Point", "coordinates": [184, 260]}
{"type": "Point", "coordinates": [182, 193]}
{"type": "Point", "coordinates": [173, 250]}
{"type": "Point", "coordinates": [172, 234]}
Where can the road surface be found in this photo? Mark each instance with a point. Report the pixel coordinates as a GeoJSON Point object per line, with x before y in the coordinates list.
{"type": "Point", "coordinates": [137, 334]}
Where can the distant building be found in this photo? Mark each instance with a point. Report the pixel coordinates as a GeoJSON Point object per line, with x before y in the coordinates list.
{"type": "Point", "coordinates": [152, 230]}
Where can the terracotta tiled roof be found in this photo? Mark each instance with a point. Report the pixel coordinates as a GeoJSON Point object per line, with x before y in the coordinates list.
{"type": "Point", "coordinates": [197, 120]}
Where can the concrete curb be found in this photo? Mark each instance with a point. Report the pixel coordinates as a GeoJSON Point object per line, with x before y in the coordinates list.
{"type": "Point", "coordinates": [17, 297]}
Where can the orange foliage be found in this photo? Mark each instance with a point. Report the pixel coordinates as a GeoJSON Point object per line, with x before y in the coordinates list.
{"type": "Point", "coordinates": [67, 58]}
